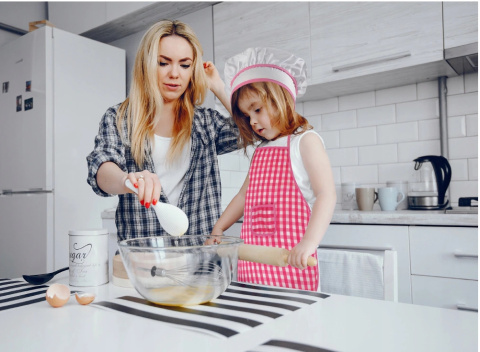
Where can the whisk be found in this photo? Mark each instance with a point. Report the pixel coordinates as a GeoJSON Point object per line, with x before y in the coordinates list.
{"type": "Point", "coordinates": [183, 275]}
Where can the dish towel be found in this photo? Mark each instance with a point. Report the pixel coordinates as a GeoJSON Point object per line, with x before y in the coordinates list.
{"type": "Point", "coordinates": [351, 273]}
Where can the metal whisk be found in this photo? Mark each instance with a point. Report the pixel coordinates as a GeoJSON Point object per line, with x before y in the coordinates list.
{"type": "Point", "coordinates": [183, 275]}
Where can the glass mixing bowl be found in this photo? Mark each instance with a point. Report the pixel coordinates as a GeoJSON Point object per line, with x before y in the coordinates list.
{"type": "Point", "coordinates": [175, 271]}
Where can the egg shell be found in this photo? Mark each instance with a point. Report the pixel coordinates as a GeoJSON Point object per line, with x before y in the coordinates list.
{"type": "Point", "coordinates": [57, 295]}
{"type": "Point", "coordinates": [84, 298]}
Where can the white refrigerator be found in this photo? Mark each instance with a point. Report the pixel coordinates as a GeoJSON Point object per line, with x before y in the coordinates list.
{"type": "Point", "coordinates": [55, 88]}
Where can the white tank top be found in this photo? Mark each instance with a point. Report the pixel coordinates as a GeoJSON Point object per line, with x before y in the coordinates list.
{"type": "Point", "coordinates": [299, 171]}
{"type": "Point", "coordinates": [171, 175]}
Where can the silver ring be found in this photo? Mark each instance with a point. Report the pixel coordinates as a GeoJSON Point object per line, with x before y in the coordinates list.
{"type": "Point", "coordinates": [140, 177]}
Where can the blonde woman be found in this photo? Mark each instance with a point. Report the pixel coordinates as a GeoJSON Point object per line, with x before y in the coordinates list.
{"type": "Point", "coordinates": [161, 140]}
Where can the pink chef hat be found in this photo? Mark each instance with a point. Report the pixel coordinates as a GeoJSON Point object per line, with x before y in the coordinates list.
{"type": "Point", "coordinates": [266, 65]}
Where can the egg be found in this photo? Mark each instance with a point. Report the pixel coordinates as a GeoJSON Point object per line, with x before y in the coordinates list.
{"type": "Point", "coordinates": [84, 298]}
{"type": "Point", "coordinates": [57, 295]}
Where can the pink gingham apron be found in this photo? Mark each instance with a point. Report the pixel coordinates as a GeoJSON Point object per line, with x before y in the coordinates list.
{"type": "Point", "coordinates": [276, 214]}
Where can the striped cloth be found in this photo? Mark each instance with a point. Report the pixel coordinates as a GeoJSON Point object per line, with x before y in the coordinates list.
{"type": "Point", "coordinates": [17, 293]}
{"type": "Point", "coordinates": [240, 308]}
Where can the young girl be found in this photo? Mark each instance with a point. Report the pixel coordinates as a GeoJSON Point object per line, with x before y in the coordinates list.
{"type": "Point", "coordinates": [161, 139]}
{"type": "Point", "coordinates": [288, 197]}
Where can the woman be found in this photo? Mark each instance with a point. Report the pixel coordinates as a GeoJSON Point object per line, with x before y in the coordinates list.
{"type": "Point", "coordinates": [161, 140]}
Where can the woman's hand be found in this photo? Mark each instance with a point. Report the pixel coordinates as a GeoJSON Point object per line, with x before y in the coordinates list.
{"type": "Point", "coordinates": [214, 81]}
{"type": "Point", "coordinates": [148, 186]}
{"type": "Point", "coordinates": [216, 85]}
{"type": "Point", "coordinates": [299, 254]}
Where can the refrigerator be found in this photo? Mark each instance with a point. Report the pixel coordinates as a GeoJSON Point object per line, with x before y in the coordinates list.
{"type": "Point", "coordinates": [55, 88]}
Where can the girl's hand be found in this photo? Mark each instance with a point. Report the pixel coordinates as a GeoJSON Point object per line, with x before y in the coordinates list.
{"type": "Point", "coordinates": [215, 237]}
{"type": "Point", "coordinates": [299, 254]}
{"type": "Point", "coordinates": [148, 186]}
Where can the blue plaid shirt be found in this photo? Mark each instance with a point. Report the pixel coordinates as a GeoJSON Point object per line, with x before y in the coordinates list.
{"type": "Point", "coordinates": [212, 135]}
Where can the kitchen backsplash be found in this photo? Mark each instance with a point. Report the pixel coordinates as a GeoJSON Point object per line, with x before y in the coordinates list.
{"type": "Point", "coordinates": [372, 137]}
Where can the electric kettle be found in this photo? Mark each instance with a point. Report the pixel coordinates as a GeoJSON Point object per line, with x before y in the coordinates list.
{"type": "Point", "coordinates": [430, 180]}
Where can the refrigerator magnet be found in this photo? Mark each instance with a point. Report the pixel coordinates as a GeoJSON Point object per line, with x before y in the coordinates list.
{"type": "Point", "coordinates": [5, 87]}
{"type": "Point", "coordinates": [28, 104]}
{"type": "Point", "coordinates": [28, 86]}
{"type": "Point", "coordinates": [19, 103]}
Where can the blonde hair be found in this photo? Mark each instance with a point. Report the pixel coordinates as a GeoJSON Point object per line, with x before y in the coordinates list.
{"type": "Point", "coordinates": [281, 108]}
{"type": "Point", "coordinates": [144, 99]}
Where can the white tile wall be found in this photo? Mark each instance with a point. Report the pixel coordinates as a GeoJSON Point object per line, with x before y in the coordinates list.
{"type": "Point", "coordinates": [372, 137]}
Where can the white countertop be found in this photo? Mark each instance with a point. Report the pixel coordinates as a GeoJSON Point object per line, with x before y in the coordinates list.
{"type": "Point", "coordinates": [404, 217]}
{"type": "Point", "coordinates": [377, 217]}
{"type": "Point", "coordinates": [338, 323]}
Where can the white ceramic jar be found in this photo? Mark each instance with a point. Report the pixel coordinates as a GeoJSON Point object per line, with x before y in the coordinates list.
{"type": "Point", "coordinates": [88, 257]}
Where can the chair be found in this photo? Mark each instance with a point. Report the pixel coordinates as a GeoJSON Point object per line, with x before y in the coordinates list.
{"type": "Point", "coordinates": [365, 272]}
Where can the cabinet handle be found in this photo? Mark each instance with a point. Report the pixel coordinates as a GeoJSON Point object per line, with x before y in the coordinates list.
{"type": "Point", "coordinates": [365, 248]}
{"type": "Point", "coordinates": [460, 254]}
{"type": "Point", "coordinates": [465, 307]}
{"type": "Point", "coordinates": [371, 61]}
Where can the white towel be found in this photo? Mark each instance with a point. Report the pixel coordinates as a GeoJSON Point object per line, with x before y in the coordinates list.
{"type": "Point", "coordinates": [351, 273]}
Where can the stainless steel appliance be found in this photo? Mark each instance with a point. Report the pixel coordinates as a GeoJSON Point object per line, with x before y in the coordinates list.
{"type": "Point", "coordinates": [429, 183]}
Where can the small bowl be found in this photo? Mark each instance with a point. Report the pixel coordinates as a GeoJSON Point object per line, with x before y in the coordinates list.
{"type": "Point", "coordinates": [179, 271]}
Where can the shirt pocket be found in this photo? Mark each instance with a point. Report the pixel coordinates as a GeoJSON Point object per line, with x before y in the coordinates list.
{"type": "Point", "coordinates": [264, 220]}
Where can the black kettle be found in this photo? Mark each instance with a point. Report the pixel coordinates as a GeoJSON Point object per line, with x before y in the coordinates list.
{"type": "Point", "coordinates": [432, 178]}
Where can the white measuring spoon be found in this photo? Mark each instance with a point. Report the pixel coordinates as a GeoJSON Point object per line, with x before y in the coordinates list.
{"type": "Point", "coordinates": [173, 219]}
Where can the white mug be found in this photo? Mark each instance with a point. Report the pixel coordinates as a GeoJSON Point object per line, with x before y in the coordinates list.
{"type": "Point", "coordinates": [349, 200]}
{"type": "Point", "coordinates": [402, 186]}
{"type": "Point", "coordinates": [387, 197]}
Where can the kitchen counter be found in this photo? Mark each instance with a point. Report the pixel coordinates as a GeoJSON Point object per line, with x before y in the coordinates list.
{"type": "Point", "coordinates": [404, 217]}
{"type": "Point", "coordinates": [331, 323]}
{"type": "Point", "coordinates": [377, 217]}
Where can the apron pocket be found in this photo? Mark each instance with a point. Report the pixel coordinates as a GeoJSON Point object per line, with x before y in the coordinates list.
{"type": "Point", "coordinates": [264, 220]}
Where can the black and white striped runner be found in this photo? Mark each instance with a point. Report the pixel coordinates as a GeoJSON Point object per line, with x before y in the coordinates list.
{"type": "Point", "coordinates": [16, 293]}
{"type": "Point", "coordinates": [240, 308]}
{"type": "Point", "coordinates": [285, 346]}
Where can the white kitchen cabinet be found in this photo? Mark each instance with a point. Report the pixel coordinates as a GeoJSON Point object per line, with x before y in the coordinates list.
{"type": "Point", "coordinates": [354, 39]}
{"type": "Point", "coordinates": [371, 238]}
{"type": "Point", "coordinates": [444, 264]}
{"type": "Point", "coordinates": [460, 23]}
{"type": "Point", "coordinates": [241, 25]}
{"type": "Point", "coordinates": [445, 293]}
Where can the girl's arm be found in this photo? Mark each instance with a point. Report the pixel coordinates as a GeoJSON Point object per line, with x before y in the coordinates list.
{"type": "Point", "coordinates": [216, 85]}
{"type": "Point", "coordinates": [232, 213]}
{"type": "Point", "coordinates": [317, 165]}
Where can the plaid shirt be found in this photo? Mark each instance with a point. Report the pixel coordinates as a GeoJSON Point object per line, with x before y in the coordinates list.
{"type": "Point", "coordinates": [200, 199]}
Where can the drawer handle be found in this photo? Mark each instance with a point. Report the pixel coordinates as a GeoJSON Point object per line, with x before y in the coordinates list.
{"type": "Point", "coordinates": [365, 248]}
{"type": "Point", "coordinates": [465, 307]}
{"type": "Point", "coordinates": [371, 61]}
{"type": "Point", "coordinates": [460, 254]}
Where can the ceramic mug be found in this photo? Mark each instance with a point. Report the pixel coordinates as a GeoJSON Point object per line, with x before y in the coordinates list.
{"type": "Point", "coordinates": [402, 186]}
{"type": "Point", "coordinates": [349, 201]}
{"type": "Point", "coordinates": [388, 198]}
{"type": "Point", "coordinates": [366, 197]}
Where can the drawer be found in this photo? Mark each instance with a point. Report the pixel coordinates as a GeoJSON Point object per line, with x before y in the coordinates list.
{"type": "Point", "coordinates": [444, 252]}
{"type": "Point", "coordinates": [445, 293]}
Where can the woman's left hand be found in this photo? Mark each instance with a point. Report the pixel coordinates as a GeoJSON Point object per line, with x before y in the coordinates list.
{"type": "Point", "coordinates": [214, 81]}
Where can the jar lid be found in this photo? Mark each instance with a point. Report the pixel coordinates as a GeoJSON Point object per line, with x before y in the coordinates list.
{"type": "Point", "coordinates": [88, 232]}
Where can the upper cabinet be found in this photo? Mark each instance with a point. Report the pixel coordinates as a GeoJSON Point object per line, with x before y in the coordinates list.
{"type": "Point", "coordinates": [362, 38]}
{"type": "Point", "coordinates": [349, 47]}
{"type": "Point", "coordinates": [110, 21]}
{"type": "Point", "coordinates": [460, 23]}
{"type": "Point", "coordinates": [242, 25]}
